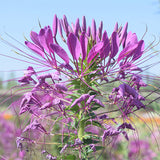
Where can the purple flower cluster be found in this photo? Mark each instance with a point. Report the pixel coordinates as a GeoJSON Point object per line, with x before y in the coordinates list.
{"type": "Point", "coordinates": [68, 93]}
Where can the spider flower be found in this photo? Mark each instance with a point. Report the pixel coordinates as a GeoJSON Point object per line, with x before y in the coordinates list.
{"type": "Point", "coordinates": [73, 87]}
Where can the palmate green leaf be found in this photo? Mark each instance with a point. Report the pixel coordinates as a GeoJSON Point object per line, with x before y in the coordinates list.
{"type": "Point", "coordinates": [75, 83]}
{"type": "Point", "coordinates": [95, 108]}
{"type": "Point", "coordinates": [69, 157]}
{"type": "Point", "coordinates": [94, 123]}
{"type": "Point", "coordinates": [75, 108]}
{"type": "Point", "coordinates": [87, 150]}
{"type": "Point", "coordinates": [87, 139]}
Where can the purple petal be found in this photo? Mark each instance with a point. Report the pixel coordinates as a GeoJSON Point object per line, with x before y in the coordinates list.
{"type": "Point", "coordinates": [61, 86]}
{"type": "Point", "coordinates": [100, 30]}
{"type": "Point", "coordinates": [90, 99]}
{"type": "Point", "coordinates": [77, 27]}
{"type": "Point", "coordinates": [93, 30]}
{"type": "Point", "coordinates": [138, 103]}
{"type": "Point", "coordinates": [55, 76]}
{"type": "Point", "coordinates": [35, 38]}
{"type": "Point", "coordinates": [80, 99]}
{"type": "Point", "coordinates": [114, 44]}
{"type": "Point", "coordinates": [42, 39]}
{"type": "Point", "coordinates": [74, 46]}
{"type": "Point", "coordinates": [83, 24]}
{"type": "Point", "coordinates": [64, 148]}
{"type": "Point", "coordinates": [70, 29]}
{"type": "Point", "coordinates": [93, 52]}
{"type": "Point", "coordinates": [46, 105]}
{"type": "Point", "coordinates": [35, 125]}
{"type": "Point", "coordinates": [60, 51]}
{"type": "Point", "coordinates": [84, 44]}
{"type": "Point", "coordinates": [126, 52]}
{"type": "Point", "coordinates": [121, 90]}
{"type": "Point", "coordinates": [131, 91]}
{"type": "Point", "coordinates": [105, 36]}
{"type": "Point", "coordinates": [116, 27]}
{"type": "Point", "coordinates": [35, 48]}
{"type": "Point", "coordinates": [55, 22]}
{"type": "Point", "coordinates": [93, 147]}
{"type": "Point", "coordinates": [97, 101]}
{"type": "Point", "coordinates": [65, 25]}
{"type": "Point", "coordinates": [105, 50]}
{"type": "Point", "coordinates": [88, 31]}
{"type": "Point", "coordinates": [60, 27]}
{"type": "Point", "coordinates": [125, 125]}
{"type": "Point", "coordinates": [139, 51]}
{"type": "Point", "coordinates": [124, 34]}
{"type": "Point", "coordinates": [131, 39]}
{"type": "Point", "coordinates": [103, 117]}
{"type": "Point", "coordinates": [125, 88]}
{"type": "Point", "coordinates": [125, 135]}
{"type": "Point", "coordinates": [49, 36]}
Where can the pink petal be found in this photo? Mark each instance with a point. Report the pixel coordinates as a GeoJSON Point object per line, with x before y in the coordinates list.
{"type": "Point", "coordinates": [114, 44]}
{"type": "Point", "coordinates": [60, 27]}
{"type": "Point", "coordinates": [55, 22]}
{"type": "Point", "coordinates": [93, 52]}
{"type": "Point", "coordinates": [105, 36]}
{"type": "Point", "coordinates": [126, 52]}
{"type": "Point", "coordinates": [88, 31]}
{"type": "Point", "coordinates": [42, 39]}
{"type": "Point", "coordinates": [123, 34]}
{"type": "Point", "coordinates": [74, 46]}
{"type": "Point", "coordinates": [83, 24]}
{"type": "Point", "coordinates": [35, 39]}
{"type": "Point", "coordinates": [65, 25]}
{"type": "Point", "coordinates": [104, 52]}
{"type": "Point", "coordinates": [84, 44]}
{"type": "Point", "coordinates": [93, 29]}
{"type": "Point", "coordinates": [100, 30]}
{"type": "Point", "coordinates": [35, 48]}
{"type": "Point", "coordinates": [131, 39]}
{"type": "Point", "coordinates": [116, 27]}
{"type": "Point", "coordinates": [139, 50]}
{"type": "Point", "coordinates": [49, 36]}
{"type": "Point", "coordinates": [77, 27]}
{"type": "Point", "coordinates": [60, 51]}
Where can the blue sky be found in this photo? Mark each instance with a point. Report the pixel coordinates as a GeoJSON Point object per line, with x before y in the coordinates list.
{"type": "Point", "coordinates": [19, 17]}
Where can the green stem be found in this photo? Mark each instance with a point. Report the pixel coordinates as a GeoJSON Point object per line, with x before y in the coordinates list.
{"type": "Point", "coordinates": [81, 130]}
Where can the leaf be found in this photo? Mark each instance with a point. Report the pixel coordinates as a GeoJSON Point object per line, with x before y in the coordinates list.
{"type": "Point", "coordinates": [95, 108]}
{"type": "Point", "coordinates": [90, 141]}
{"type": "Point", "coordinates": [75, 108]}
{"type": "Point", "coordinates": [70, 157]}
{"type": "Point", "coordinates": [94, 123]}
